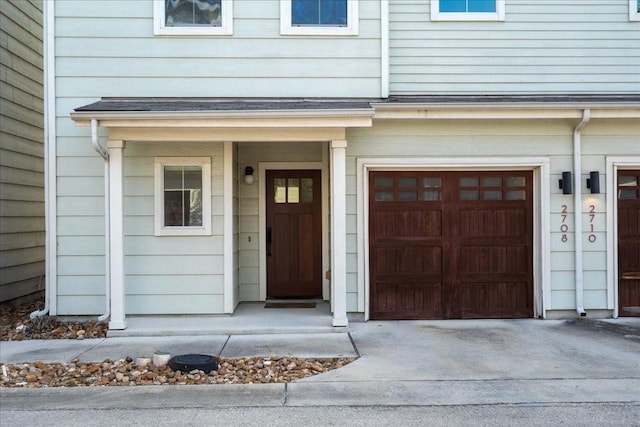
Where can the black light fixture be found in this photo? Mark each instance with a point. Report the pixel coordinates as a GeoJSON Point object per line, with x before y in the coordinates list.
{"type": "Point", "coordinates": [593, 182]}
{"type": "Point", "coordinates": [248, 175]}
{"type": "Point", "coordinates": [565, 183]}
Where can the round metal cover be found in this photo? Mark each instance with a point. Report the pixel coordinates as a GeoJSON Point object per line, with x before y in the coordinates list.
{"type": "Point", "coordinates": [189, 362]}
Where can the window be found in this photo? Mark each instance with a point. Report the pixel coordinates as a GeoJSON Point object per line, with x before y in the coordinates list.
{"type": "Point", "coordinates": [319, 17]}
{"type": "Point", "coordinates": [467, 10]}
{"type": "Point", "coordinates": [182, 196]}
{"type": "Point", "coordinates": [634, 10]}
{"type": "Point", "coordinates": [193, 17]}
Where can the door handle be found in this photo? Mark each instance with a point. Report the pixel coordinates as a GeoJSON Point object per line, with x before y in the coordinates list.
{"type": "Point", "coordinates": [268, 241]}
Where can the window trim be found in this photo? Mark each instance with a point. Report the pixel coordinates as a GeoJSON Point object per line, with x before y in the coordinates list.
{"type": "Point", "coordinates": [498, 15]}
{"type": "Point", "coordinates": [225, 29]}
{"type": "Point", "coordinates": [159, 165]}
{"type": "Point", "coordinates": [287, 29]}
{"type": "Point", "coordinates": [634, 15]}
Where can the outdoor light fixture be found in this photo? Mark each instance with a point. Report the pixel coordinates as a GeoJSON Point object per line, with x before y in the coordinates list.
{"type": "Point", "coordinates": [593, 182]}
{"type": "Point", "coordinates": [565, 183]}
{"type": "Point", "coordinates": [248, 175]}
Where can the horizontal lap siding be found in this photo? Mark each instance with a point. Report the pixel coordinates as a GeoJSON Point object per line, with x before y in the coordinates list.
{"type": "Point", "coordinates": [545, 138]}
{"type": "Point", "coordinates": [22, 230]}
{"type": "Point", "coordinates": [577, 46]}
{"type": "Point", "coordinates": [108, 49]}
{"type": "Point", "coordinates": [164, 275]}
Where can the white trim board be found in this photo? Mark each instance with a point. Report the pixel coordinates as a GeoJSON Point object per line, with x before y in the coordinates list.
{"type": "Point", "coordinates": [541, 213]}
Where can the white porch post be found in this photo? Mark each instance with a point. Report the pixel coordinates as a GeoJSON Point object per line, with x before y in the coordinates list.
{"type": "Point", "coordinates": [116, 235]}
{"type": "Point", "coordinates": [338, 233]}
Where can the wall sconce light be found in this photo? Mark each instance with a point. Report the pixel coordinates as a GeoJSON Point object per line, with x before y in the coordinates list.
{"type": "Point", "coordinates": [565, 183]}
{"type": "Point", "coordinates": [593, 182]}
{"type": "Point", "coordinates": [248, 175]}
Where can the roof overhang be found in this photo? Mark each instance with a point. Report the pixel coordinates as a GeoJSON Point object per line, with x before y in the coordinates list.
{"type": "Point", "coordinates": [160, 119]}
{"type": "Point", "coordinates": [226, 113]}
{"type": "Point", "coordinates": [508, 107]}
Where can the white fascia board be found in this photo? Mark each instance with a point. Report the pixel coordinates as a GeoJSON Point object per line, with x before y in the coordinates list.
{"type": "Point", "coordinates": [264, 119]}
{"type": "Point", "coordinates": [253, 114]}
{"type": "Point", "coordinates": [499, 111]}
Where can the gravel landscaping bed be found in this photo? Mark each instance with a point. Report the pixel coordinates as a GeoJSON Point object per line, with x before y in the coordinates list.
{"type": "Point", "coordinates": [15, 325]}
{"type": "Point", "coordinates": [255, 370]}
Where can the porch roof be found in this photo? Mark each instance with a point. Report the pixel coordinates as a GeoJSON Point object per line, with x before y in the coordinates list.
{"type": "Point", "coordinates": [352, 111]}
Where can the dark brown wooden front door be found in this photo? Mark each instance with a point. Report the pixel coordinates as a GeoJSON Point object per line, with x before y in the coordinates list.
{"type": "Point", "coordinates": [451, 245]}
{"type": "Point", "coordinates": [294, 233]}
{"type": "Point", "coordinates": [629, 243]}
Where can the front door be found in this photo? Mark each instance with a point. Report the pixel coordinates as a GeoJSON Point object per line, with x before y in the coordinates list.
{"type": "Point", "coordinates": [629, 243]}
{"type": "Point", "coordinates": [294, 234]}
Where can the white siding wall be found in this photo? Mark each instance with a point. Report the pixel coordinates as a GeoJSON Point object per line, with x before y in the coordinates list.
{"type": "Point", "coordinates": [22, 232]}
{"type": "Point", "coordinates": [249, 154]}
{"type": "Point", "coordinates": [107, 48]}
{"type": "Point", "coordinates": [543, 46]}
{"type": "Point", "coordinates": [540, 138]}
{"type": "Point", "coordinates": [168, 274]}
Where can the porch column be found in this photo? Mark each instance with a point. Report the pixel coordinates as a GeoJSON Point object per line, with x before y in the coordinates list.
{"type": "Point", "coordinates": [338, 232]}
{"type": "Point", "coordinates": [116, 235]}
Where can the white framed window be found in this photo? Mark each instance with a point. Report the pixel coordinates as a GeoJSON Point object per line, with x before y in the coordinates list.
{"type": "Point", "coordinates": [634, 10]}
{"type": "Point", "coordinates": [319, 17]}
{"type": "Point", "coordinates": [193, 17]}
{"type": "Point", "coordinates": [467, 10]}
{"type": "Point", "coordinates": [182, 196]}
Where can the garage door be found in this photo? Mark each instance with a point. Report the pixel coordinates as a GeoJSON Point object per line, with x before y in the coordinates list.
{"type": "Point", "coordinates": [629, 243]}
{"type": "Point", "coordinates": [450, 245]}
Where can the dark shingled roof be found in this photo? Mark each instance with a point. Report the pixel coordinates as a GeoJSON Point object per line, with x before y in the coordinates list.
{"type": "Point", "coordinates": [283, 104]}
{"type": "Point", "coordinates": [187, 104]}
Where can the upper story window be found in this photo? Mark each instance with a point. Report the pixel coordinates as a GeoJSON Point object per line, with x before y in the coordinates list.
{"type": "Point", "coordinates": [467, 10]}
{"type": "Point", "coordinates": [193, 17]}
{"type": "Point", "coordinates": [634, 10]}
{"type": "Point", "coordinates": [319, 17]}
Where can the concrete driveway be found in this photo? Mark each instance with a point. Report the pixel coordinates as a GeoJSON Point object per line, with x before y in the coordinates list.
{"type": "Point", "coordinates": [490, 349]}
{"type": "Point", "coordinates": [483, 362]}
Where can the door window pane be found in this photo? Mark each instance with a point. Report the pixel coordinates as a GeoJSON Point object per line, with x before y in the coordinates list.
{"type": "Point", "coordinates": [431, 182]}
{"type": "Point", "coordinates": [407, 182]}
{"type": "Point", "coordinates": [306, 190]}
{"type": "Point", "coordinates": [293, 190]}
{"type": "Point", "coordinates": [280, 190]}
{"type": "Point", "coordinates": [627, 194]}
{"type": "Point", "coordinates": [515, 181]}
{"type": "Point", "coordinates": [492, 195]}
{"type": "Point", "coordinates": [383, 182]}
{"type": "Point", "coordinates": [469, 195]}
{"type": "Point", "coordinates": [492, 181]}
{"type": "Point", "coordinates": [407, 196]}
{"type": "Point", "coordinates": [627, 181]}
{"type": "Point", "coordinates": [471, 181]}
{"type": "Point", "coordinates": [430, 195]}
{"type": "Point", "coordinates": [516, 195]}
{"type": "Point", "coordinates": [384, 196]}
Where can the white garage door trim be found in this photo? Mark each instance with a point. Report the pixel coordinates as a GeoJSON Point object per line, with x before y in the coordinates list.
{"type": "Point", "coordinates": [541, 212]}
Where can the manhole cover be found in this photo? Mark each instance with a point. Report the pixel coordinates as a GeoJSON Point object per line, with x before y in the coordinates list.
{"type": "Point", "coordinates": [189, 362]}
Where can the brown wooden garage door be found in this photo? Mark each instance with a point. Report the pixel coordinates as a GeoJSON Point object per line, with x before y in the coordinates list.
{"type": "Point", "coordinates": [451, 245]}
{"type": "Point", "coordinates": [629, 243]}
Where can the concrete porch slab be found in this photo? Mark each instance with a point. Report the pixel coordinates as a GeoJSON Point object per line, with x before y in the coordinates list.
{"type": "Point", "coordinates": [248, 319]}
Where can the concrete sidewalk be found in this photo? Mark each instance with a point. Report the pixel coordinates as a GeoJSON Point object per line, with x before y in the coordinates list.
{"type": "Point", "coordinates": [453, 362]}
{"type": "Point", "coordinates": [231, 346]}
